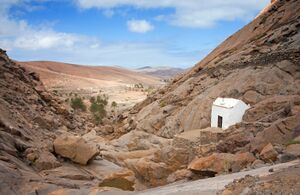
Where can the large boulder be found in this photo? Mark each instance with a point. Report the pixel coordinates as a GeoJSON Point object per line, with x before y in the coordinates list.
{"type": "Point", "coordinates": [268, 154]}
{"type": "Point", "coordinates": [152, 173]}
{"type": "Point", "coordinates": [75, 148]}
{"type": "Point", "coordinates": [123, 180]}
{"type": "Point", "coordinates": [222, 162]}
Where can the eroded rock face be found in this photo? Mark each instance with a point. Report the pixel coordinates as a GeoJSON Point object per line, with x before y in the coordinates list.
{"type": "Point", "coordinates": [75, 148]}
{"type": "Point", "coordinates": [29, 118]}
{"type": "Point", "coordinates": [280, 132]}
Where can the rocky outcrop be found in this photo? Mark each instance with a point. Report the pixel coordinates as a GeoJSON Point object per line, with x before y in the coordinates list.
{"type": "Point", "coordinates": [75, 148]}
{"type": "Point", "coordinates": [279, 132]}
{"type": "Point", "coordinates": [268, 153]}
{"type": "Point", "coordinates": [221, 163]}
{"type": "Point", "coordinates": [124, 180]}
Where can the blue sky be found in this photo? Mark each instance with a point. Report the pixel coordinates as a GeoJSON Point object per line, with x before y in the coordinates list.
{"type": "Point", "coordinates": [128, 33]}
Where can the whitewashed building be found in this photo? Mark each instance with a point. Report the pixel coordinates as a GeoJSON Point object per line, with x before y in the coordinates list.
{"type": "Point", "coordinates": [227, 111]}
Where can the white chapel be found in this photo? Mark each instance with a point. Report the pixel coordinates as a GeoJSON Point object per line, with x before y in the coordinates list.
{"type": "Point", "coordinates": [227, 111]}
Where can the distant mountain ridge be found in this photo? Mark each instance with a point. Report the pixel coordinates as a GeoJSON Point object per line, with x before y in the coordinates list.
{"type": "Point", "coordinates": [163, 72]}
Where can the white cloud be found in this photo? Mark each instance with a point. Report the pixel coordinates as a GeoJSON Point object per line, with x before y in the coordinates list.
{"type": "Point", "coordinates": [18, 34]}
{"type": "Point", "coordinates": [190, 13]}
{"type": "Point", "coordinates": [139, 26]}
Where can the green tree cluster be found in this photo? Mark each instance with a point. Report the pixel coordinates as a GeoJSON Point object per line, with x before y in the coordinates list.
{"type": "Point", "coordinates": [98, 107]}
{"type": "Point", "coordinates": [77, 104]}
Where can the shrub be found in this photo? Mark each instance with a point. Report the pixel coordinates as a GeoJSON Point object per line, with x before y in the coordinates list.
{"type": "Point", "coordinates": [102, 99]}
{"type": "Point", "coordinates": [162, 104]}
{"type": "Point", "coordinates": [92, 99]}
{"type": "Point", "coordinates": [114, 104]}
{"type": "Point", "coordinates": [98, 108]}
{"type": "Point", "coordinates": [77, 104]}
{"type": "Point", "coordinates": [97, 118]}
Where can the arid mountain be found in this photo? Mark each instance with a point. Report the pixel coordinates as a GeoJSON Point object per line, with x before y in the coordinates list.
{"type": "Point", "coordinates": [161, 72]}
{"type": "Point", "coordinates": [56, 75]}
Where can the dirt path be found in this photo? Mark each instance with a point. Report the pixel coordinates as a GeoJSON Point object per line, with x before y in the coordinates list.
{"type": "Point", "coordinates": [212, 185]}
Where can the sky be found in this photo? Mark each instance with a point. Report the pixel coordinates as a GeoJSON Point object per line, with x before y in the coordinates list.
{"type": "Point", "coordinates": [126, 33]}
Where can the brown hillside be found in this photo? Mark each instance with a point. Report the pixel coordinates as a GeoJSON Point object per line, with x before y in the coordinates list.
{"type": "Point", "coordinates": [71, 76]}
{"type": "Point", "coordinates": [258, 63]}
{"type": "Point", "coordinates": [41, 149]}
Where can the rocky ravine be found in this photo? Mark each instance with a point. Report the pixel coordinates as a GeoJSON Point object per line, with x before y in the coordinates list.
{"type": "Point", "coordinates": [41, 147]}
{"type": "Point", "coordinates": [167, 137]}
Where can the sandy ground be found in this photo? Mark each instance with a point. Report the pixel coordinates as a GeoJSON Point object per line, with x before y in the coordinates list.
{"type": "Point", "coordinates": [211, 186]}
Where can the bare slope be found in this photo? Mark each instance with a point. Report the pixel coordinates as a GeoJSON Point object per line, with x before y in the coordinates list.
{"type": "Point", "coordinates": [71, 76]}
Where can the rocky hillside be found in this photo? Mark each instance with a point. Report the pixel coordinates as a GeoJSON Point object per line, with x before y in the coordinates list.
{"type": "Point", "coordinates": [259, 64]}
{"type": "Point", "coordinates": [41, 149]}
